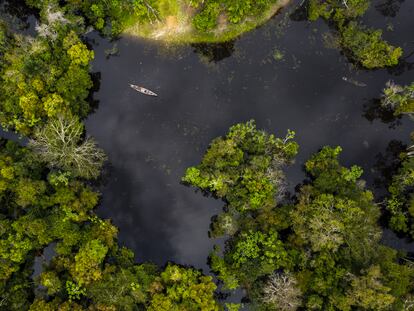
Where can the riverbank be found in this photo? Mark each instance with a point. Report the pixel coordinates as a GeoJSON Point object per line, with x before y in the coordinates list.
{"type": "Point", "coordinates": [176, 25]}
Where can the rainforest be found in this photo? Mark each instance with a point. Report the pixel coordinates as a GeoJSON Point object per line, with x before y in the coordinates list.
{"type": "Point", "coordinates": [212, 155]}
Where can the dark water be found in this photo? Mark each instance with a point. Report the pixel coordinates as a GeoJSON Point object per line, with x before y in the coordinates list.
{"type": "Point", "coordinates": [203, 90]}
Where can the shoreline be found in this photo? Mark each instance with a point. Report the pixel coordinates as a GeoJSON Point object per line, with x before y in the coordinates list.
{"type": "Point", "coordinates": [178, 28]}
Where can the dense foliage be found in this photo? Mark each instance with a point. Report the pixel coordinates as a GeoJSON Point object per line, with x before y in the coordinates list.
{"type": "Point", "coordinates": [400, 203]}
{"type": "Point", "coordinates": [208, 12]}
{"type": "Point", "coordinates": [110, 17]}
{"type": "Point", "coordinates": [361, 44]}
{"type": "Point", "coordinates": [44, 77]}
{"type": "Point", "coordinates": [244, 167]}
{"type": "Point", "coordinates": [322, 252]}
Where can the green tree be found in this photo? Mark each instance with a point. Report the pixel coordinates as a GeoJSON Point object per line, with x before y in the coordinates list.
{"type": "Point", "coordinates": [44, 78]}
{"type": "Point", "coordinates": [244, 167]}
{"type": "Point", "coordinates": [368, 48]}
{"type": "Point", "coordinates": [183, 289]}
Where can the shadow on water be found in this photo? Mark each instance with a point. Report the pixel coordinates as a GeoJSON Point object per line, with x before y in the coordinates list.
{"type": "Point", "coordinates": [387, 164]}
{"type": "Point", "coordinates": [300, 13]}
{"type": "Point", "coordinates": [214, 52]}
{"type": "Point", "coordinates": [389, 7]}
{"type": "Point", "coordinates": [373, 110]}
{"type": "Point", "coordinates": [403, 66]}
{"type": "Point", "coordinates": [96, 84]}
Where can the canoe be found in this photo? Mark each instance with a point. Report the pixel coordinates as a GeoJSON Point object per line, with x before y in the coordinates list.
{"type": "Point", "coordinates": [142, 90]}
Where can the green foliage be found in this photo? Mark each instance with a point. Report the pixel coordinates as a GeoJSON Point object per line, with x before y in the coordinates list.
{"type": "Point", "coordinates": [362, 45]}
{"type": "Point", "coordinates": [368, 48]}
{"type": "Point", "coordinates": [321, 253]}
{"type": "Point", "coordinates": [74, 290]}
{"type": "Point", "coordinates": [233, 306]}
{"type": "Point", "coordinates": [335, 219]}
{"type": "Point", "coordinates": [244, 167]}
{"type": "Point", "coordinates": [183, 289]}
{"type": "Point", "coordinates": [400, 203]}
{"type": "Point", "coordinates": [207, 18]}
{"type": "Point", "coordinates": [33, 214]}
{"type": "Point", "coordinates": [337, 10]}
{"type": "Point", "coordinates": [368, 292]}
{"type": "Point", "coordinates": [111, 17]}
{"type": "Point", "coordinates": [86, 267]}
{"type": "Point", "coordinates": [236, 11]}
{"type": "Point", "coordinates": [255, 245]}
{"type": "Point", "coordinates": [44, 78]}
{"type": "Point", "coordinates": [248, 256]}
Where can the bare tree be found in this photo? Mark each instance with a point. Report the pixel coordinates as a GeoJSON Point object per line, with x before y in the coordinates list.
{"type": "Point", "coordinates": [282, 292]}
{"type": "Point", "coordinates": [408, 303]}
{"type": "Point", "coordinates": [389, 94]}
{"type": "Point", "coordinates": [60, 144]}
{"type": "Point", "coordinates": [54, 19]}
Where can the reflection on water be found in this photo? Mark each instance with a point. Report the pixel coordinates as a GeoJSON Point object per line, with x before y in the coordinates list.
{"type": "Point", "coordinates": [389, 7]}
{"type": "Point", "coordinates": [373, 110]}
{"type": "Point", "coordinates": [387, 163]}
{"type": "Point", "coordinates": [214, 52]}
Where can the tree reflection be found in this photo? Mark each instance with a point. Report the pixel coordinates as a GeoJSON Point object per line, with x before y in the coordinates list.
{"type": "Point", "coordinates": [387, 164]}
{"type": "Point", "coordinates": [389, 7]}
{"type": "Point", "coordinates": [403, 65]}
{"type": "Point", "coordinates": [373, 110]}
{"type": "Point", "coordinates": [214, 52]}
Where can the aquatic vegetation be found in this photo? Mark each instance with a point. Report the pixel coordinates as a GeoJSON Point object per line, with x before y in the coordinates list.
{"type": "Point", "coordinates": [278, 55]}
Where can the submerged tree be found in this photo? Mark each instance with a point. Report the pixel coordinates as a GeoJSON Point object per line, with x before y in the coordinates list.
{"type": "Point", "coordinates": [59, 143]}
